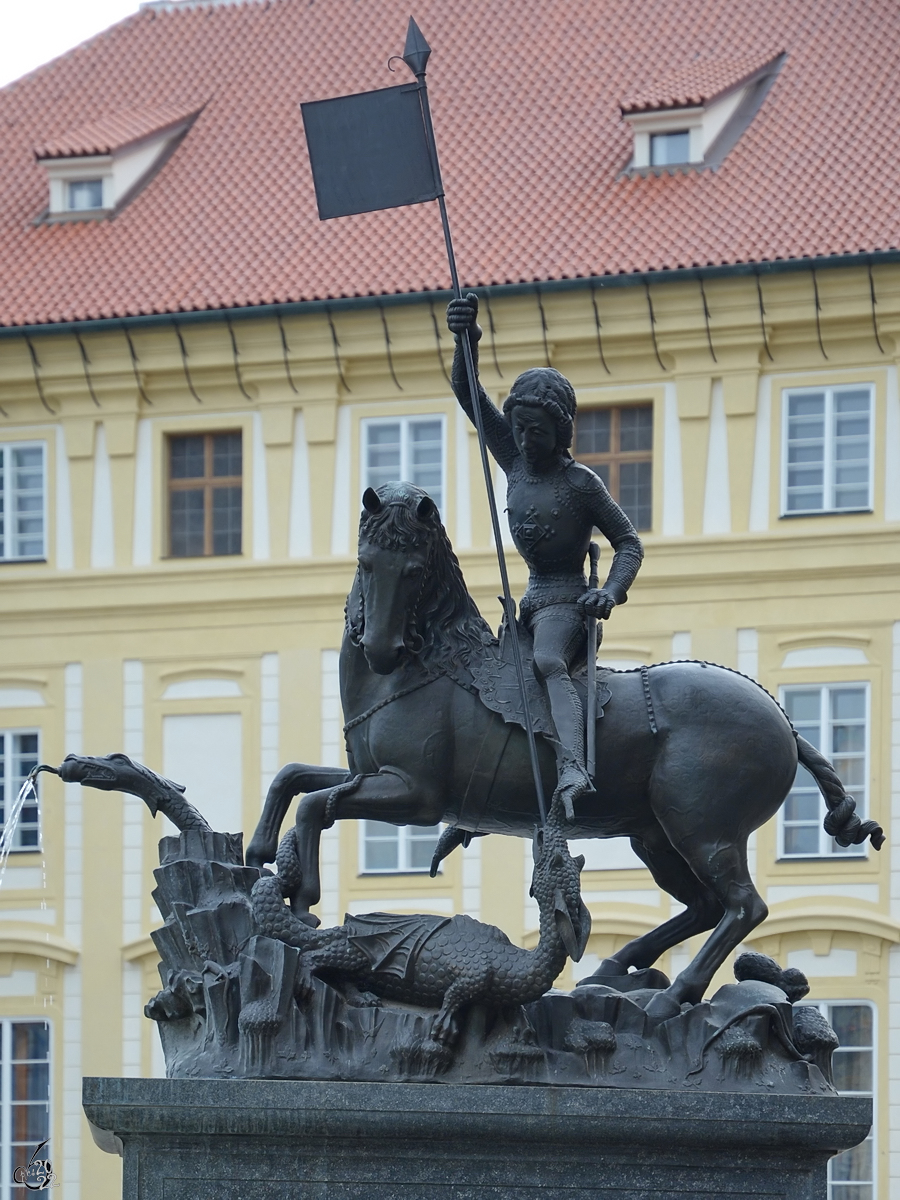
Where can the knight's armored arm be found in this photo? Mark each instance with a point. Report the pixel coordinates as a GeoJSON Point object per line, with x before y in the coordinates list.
{"type": "Point", "coordinates": [497, 432]}
{"type": "Point", "coordinates": [628, 549]}
{"type": "Point", "coordinates": [604, 513]}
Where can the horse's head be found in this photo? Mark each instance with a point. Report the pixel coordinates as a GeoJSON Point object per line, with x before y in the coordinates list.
{"type": "Point", "coordinates": [398, 531]}
{"type": "Point", "coordinates": [556, 885]}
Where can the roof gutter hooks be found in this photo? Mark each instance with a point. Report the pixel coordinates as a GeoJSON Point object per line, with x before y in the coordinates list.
{"type": "Point", "coordinates": [540, 287]}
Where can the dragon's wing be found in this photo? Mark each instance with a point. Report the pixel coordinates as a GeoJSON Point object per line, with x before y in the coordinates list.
{"type": "Point", "coordinates": [392, 942]}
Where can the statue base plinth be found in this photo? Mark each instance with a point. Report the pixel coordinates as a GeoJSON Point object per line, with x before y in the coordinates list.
{"type": "Point", "coordinates": [214, 1139]}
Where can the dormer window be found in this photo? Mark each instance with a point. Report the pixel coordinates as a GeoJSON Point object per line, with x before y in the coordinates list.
{"type": "Point", "coordinates": [695, 115]}
{"type": "Point", "coordinates": [95, 170]}
{"type": "Point", "coordinates": [84, 194]}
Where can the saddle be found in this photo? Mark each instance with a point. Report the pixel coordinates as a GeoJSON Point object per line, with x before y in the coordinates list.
{"type": "Point", "coordinates": [497, 684]}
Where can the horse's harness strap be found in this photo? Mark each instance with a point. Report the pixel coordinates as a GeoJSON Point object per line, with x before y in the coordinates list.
{"type": "Point", "coordinates": [651, 715]}
{"type": "Point", "coordinates": [413, 687]}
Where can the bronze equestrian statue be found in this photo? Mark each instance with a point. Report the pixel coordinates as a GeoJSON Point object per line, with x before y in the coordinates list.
{"type": "Point", "coordinates": [553, 504]}
{"type": "Point", "coordinates": [694, 756]}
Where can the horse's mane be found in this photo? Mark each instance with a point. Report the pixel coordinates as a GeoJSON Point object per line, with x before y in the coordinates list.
{"type": "Point", "coordinates": [446, 617]}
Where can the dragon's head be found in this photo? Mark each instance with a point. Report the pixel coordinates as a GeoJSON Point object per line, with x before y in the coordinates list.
{"type": "Point", "coordinates": [556, 883]}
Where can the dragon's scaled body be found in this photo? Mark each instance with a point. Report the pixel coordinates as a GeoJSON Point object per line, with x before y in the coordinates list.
{"type": "Point", "coordinates": [431, 961]}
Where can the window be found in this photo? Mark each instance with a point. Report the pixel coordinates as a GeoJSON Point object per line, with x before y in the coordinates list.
{"type": "Point", "coordinates": [835, 719]}
{"type": "Point", "coordinates": [205, 510]}
{"type": "Point", "coordinates": [851, 1174]}
{"type": "Point", "coordinates": [24, 1098]}
{"type": "Point", "coordinates": [670, 148]}
{"type": "Point", "coordinates": [828, 450]}
{"type": "Point", "coordinates": [405, 448]}
{"type": "Point", "coordinates": [22, 517]}
{"type": "Point", "coordinates": [18, 756]}
{"type": "Point", "coordinates": [385, 848]}
{"type": "Point", "coordinates": [617, 443]}
{"type": "Point", "coordinates": [84, 194]}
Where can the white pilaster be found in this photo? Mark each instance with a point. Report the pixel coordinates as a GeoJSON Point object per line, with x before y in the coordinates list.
{"type": "Point", "coordinates": [65, 554]}
{"type": "Point", "coordinates": [332, 746]}
{"type": "Point", "coordinates": [717, 497]}
{"type": "Point", "coordinates": [471, 879]}
{"type": "Point", "coordinates": [681, 644]}
{"type": "Point", "coordinates": [300, 523]}
{"type": "Point", "coordinates": [340, 507]}
{"type": "Point", "coordinates": [270, 719]}
{"type": "Point", "coordinates": [892, 449]}
{"type": "Point", "coordinates": [260, 513]}
{"type": "Point", "coordinates": [142, 534]}
{"type": "Point", "coordinates": [893, 1065]}
{"type": "Point", "coordinates": [762, 456]}
{"type": "Point", "coordinates": [463, 483]}
{"type": "Point", "coordinates": [72, 894]}
{"type": "Point", "coordinates": [103, 552]}
{"type": "Point", "coordinates": [673, 482]}
{"type": "Point", "coordinates": [132, 871]}
{"type": "Point", "coordinates": [748, 652]}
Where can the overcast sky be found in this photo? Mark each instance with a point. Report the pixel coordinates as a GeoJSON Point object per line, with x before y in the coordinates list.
{"type": "Point", "coordinates": [34, 31]}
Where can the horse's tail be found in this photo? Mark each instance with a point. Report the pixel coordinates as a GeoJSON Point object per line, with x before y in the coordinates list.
{"type": "Point", "coordinates": [842, 821]}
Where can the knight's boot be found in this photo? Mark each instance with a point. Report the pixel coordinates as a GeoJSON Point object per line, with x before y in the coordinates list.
{"type": "Point", "coordinates": [573, 781]}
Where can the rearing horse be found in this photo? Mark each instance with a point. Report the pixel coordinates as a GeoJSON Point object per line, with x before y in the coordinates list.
{"type": "Point", "coordinates": [692, 757]}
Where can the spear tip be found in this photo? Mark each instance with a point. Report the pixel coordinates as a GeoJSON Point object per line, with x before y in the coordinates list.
{"type": "Point", "coordinates": [416, 52]}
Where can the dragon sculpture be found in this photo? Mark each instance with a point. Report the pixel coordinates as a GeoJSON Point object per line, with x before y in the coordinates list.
{"type": "Point", "coordinates": [438, 962]}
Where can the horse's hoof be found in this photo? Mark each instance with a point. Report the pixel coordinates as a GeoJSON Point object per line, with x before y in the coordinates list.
{"type": "Point", "coordinates": [662, 1006]}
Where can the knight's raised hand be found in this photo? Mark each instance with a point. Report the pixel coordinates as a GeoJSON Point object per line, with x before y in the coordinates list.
{"type": "Point", "coordinates": [463, 314]}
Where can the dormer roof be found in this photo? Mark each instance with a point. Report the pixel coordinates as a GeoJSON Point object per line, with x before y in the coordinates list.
{"type": "Point", "coordinates": [116, 131]}
{"type": "Point", "coordinates": [699, 83]}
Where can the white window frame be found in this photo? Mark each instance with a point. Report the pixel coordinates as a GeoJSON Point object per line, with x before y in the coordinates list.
{"type": "Point", "coordinates": [823, 1006]}
{"type": "Point", "coordinates": [7, 492]}
{"type": "Point", "coordinates": [404, 838]}
{"type": "Point", "coordinates": [826, 844]}
{"type": "Point", "coordinates": [7, 1190]}
{"type": "Point", "coordinates": [11, 791]}
{"type": "Point", "coordinates": [828, 450]}
{"type": "Point", "coordinates": [404, 422]}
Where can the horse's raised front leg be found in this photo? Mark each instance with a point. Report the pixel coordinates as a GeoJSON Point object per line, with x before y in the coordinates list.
{"type": "Point", "coordinates": [288, 783]}
{"type": "Point", "coordinates": [391, 795]}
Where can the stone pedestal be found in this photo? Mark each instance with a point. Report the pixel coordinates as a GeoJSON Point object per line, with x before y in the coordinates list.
{"type": "Point", "coordinates": [210, 1139]}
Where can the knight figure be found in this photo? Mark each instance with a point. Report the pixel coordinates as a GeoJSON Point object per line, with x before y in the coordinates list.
{"type": "Point", "coordinates": [553, 504]}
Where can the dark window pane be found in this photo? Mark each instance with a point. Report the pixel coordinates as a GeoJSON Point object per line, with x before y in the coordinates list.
{"type": "Point", "coordinates": [635, 492]}
{"type": "Point", "coordinates": [31, 1081]}
{"type": "Point", "coordinates": [30, 1039]}
{"type": "Point", "coordinates": [853, 1164]}
{"type": "Point", "coordinates": [226, 454]}
{"type": "Point", "coordinates": [592, 432]}
{"type": "Point", "coordinates": [666, 148]}
{"type": "Point", "coordinates": [852, 1023]}
{"type": "Point", "coordinates": [226, 517]}
{"type": "Point", "coordinates": [853, 1070]}
{"type": "Point", "coordinates": [187, 524]}
{"type": "Point", "coordinates": [187, 457]}
{"type": "Point", "coordinates": [30, 1123]}
{"type": "Point", "coordinates": [636, 428]}
{"type": "Point", "coordinates": [601, 469]}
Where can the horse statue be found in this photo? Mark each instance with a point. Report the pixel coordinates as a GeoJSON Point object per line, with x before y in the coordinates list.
{"type": "Point", "coordinates": [692, 757]}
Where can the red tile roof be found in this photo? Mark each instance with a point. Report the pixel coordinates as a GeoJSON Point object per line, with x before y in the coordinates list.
{"type": "Point", "coordinates": [697, 83]}
{"type": "Point", "coordinates": [112, 132]}
{"type": "Point", "coordinates": [526, 97]}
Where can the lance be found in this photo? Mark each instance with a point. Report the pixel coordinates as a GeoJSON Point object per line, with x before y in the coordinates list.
{"type": "Point", "coordinates": [366, 154]}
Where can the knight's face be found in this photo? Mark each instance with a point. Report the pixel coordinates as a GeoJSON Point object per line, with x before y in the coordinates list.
{"type": "Point", "coordinates": [534, 432]}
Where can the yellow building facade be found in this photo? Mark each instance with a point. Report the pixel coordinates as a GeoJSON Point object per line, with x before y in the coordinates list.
{"type": "Point", "coordinates": [218, 663]}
